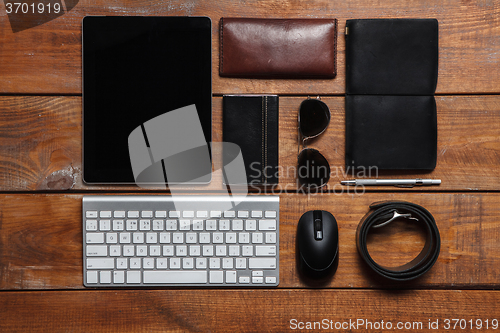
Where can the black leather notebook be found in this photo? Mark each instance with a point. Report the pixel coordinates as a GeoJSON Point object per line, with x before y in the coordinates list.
{"type": "Point", "coordinates": [251, 122]}
{"type": "Point", "coordinates": [391, 77]}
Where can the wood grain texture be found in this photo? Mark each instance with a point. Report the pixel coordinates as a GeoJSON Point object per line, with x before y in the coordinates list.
{"type": "Point", "coordinates": [41, 143]}
{"type": "Point", "coordinates": [41, 240]}
{"type": "Point", "coordinates": [47, 58]}
{"type": "Point", "coordinates": [243, 310]}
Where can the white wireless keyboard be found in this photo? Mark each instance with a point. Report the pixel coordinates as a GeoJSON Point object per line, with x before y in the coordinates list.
{"type": "Point", "coordinates": [210, 241]}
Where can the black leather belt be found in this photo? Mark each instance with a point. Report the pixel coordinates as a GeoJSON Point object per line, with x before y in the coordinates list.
{"type": "Point", "coordinates": [387, 211]}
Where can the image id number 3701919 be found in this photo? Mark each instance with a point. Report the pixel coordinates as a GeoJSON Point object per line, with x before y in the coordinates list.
{"type": "Point", "coordinates": [471, 324]}
{"type": "Point", "coordinates": [32, 8]}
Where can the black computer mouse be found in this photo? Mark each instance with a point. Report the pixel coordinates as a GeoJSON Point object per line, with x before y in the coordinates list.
{"type": "Point", "coordinates": [318, 243]}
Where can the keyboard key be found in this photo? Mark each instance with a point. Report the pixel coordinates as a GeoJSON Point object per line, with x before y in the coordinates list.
{"type": "Point", "coordinates": [171, 224]}
{"type": "Point", "coordinates": [208, 250]}
{"type": "Point", "coordinates": [194, 251]}
{"type": "Point", "coordinates": [138, 237]}
{"type": "Point", "coordinates": [270, 214]}
{"type": "Point", "coordinates": [227, 263]}
{"type": "Point", "coordinates": [258, 273]}
{"type": "Point", "coordinates": [101, 263]}
{"type": "Point", "coordinates": [270, 279]}
{"type": "Point", "coordinates": [257, 238]}
{"type": "Point", "coordinates": [211, 225]}
{"type": "Point", "coordinates": [175, 263]}
{"type": "Point", "coordinates": [247, 251]}
{"type": "Point", "coordinates": [230, 213]}
{"type": "Point", "coordinates": [105, 225]}
{"type": "Point", "coordinates": [187, 263]}
{"type": "Point", "coordinates": [105, 277]}
{"type": "Point", "coordinates": [97, 250]}
{"type": "Point", "coordinates": [271, 237]}
{"type": "Point", "coordinates": [141, 250]}
{"type": "Point", "coordinates": [204, 238]}
{"type": "Point", "coordinates": [215, 213]}
{"type": "Point", "coordinates": [165, 237]}
{"type": "Point", "coordinates": [188, 213]}
{"type": "Point", "coordinates": [267, 224]}
{"type": "Point", "coordinates": [230, 276]}
{"type": "Point", "coordinates": [111, 238]}
{"type": "Point", "coordinates": [128, 251]}
{"type": "Point", "coordinates": [92, 275]}
{"type": "Point", "coordinates": [168, 250]}
{"type": "Point", "coordinates": [241, 263]}
{"type": "Point", "coordinates": [216, 276]}
{"type": "Point", "coordinates": [244, 238]}
{"type": "Point", "coordinates": [257, 280]}
{"type": "Point", "coordinates": [161, 263]}
{"type": "Point", "coordinates": [256, 213]}
{"type": "Point", "coordinates": [174, 213]}
{"type": "Point", "coordinates": [184, 224]}
{"type": "Point", "coordinates": [119, 277]}
{"type": "Point", "coordinates": [103, 214]}
{"type": "Point", "coordinates": [160, 213]}
{"type": "Point", "coordinates": [244, 279]}
{"type": "Point", "coordinates": [265, 251]}
{"type": "Point", "coordinates": [148, 263]}
{"type": "Point", "coordinates": [91, 225]}
{"type": "Point", "coordinates": [95, 238]}
{"type": "Point", "coordinates": [197, 224]}
{"type": "Point", "coordinates": [91, 214]}
{"type": "Point", "coordinates": [181, 250]}
{"type": "Point", "coordinates": [243, 213]}
{"type": "Point", "coordinates": [135, 263]}
{"type": "Point", "coordinates": [131, 225]}
{"type": "Point", "coordinates": [151, 237]}
{"type": "Point", "coordinates": [191, 238]}
{"type": "Point", "coordinates": [262, 263]}
{"type": "Point", "coordinates": [214, 263]}
{"type": "Point", "coordinates": [237, 225]}
{"type": "Point", "coordinates": [202, 213]}
{"type": "Point", "coordinates": [220, 250]}
{"type": "Point", "coordinates": [201, 263]}
{"type": "Point", "coordinates": [224, 225]}
{"type": "Point", "coordinates": [179, 277]}
{"type": "Point", "coordinates": [121, 263]}
{"type": "Point", "coordinates": [250, 225]}
{"type": "Point", "coordinates": [158, 225]}
{"type": "Point", "coordinates": [133, 277]}
{"type": "Point", "coordinates": [154, 251]}
{"type": "Point", "coordinates": [231, 238]}
{"type": "Point", "coordinates": [115, 251]}
{"type": "Point", "coordinates": [125, 237]}
{"type": "Point", "coordinates": [118, 225]}
{"type": "Point", "coordinates": [133, 214]}
{"type": "Point", "coordinates": [119, 214]}
{"type": "Point", "coordinates": [234, 250]}
{"type": "Point", "coordinates": [218, 238]}
{"type": "Point", "coordinates": [147, 214]}
{"type": "Point", "coordinates": [178, 238]}
{"type": "Point", "coordinates": [145, 225]}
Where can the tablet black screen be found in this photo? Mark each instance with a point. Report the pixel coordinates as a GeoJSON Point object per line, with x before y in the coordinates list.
{"type": "Point", "coordinates": [134, 69]}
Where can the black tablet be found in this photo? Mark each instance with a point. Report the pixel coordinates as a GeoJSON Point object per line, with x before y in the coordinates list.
{"type": "Point", "coordinates": [135, 69]}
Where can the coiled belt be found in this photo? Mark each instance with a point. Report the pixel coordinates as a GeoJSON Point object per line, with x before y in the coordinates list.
{"type": "Point", "coordinates": [387, 211]}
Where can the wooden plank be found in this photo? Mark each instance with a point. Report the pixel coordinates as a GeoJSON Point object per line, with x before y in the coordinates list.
{"type": "Point", "coordinates": [40, 140]}
{"type": "Point", "coordinates": [47, 58]}
{"type": "Point", "coordinates": [249, 311]}
{"type": "Point", "coordinates": [41, 240]}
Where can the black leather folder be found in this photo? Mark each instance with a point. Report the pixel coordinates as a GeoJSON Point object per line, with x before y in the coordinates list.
{"type": "Point", "coordinates": [391, 77]}
{"type": "Point", "coordinates": [251, 122]}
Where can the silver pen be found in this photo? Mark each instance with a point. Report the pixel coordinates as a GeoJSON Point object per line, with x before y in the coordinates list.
{"type": "Point", "coordinates": [392, 182]}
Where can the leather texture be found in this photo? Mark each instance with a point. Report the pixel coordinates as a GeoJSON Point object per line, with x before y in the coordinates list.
{"type": "Point", "coordinates": [391, 76]}
{"type": "Point", "coordinates": [381, 212]}
{"type": "Point", "coordinates": [251, 122]}
{"type": "Point", "coordinates": [278, 48]}
{"type": "Point", "coordinates": [392, 56]}
{"type": "Point", "coordinates": [391, 132]}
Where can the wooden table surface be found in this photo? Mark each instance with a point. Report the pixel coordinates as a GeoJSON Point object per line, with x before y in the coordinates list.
{"type": "Point", "coordinates": [41, 187]}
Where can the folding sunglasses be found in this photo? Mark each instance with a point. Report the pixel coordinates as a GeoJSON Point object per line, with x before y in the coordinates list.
{"type": "Point", "coordinates": [313, 168]}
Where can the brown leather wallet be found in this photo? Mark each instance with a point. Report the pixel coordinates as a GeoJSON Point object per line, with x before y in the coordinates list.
{"type": "Point", "coordinates": [278, 48]}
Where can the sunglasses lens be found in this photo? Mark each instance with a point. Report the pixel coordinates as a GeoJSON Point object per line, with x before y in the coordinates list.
{"type": "Point", "coordinates": [314, 117]}
{"type": "Point", "coordinates": [313, 168]}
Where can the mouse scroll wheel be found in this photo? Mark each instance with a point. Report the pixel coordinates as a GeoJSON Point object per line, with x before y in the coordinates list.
{"type": "Point", "coordinates": [318, 226]}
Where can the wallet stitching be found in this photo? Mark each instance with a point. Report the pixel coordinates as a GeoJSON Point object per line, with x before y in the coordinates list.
{"type": "Point", "coordinates": [335, 49]}
{"type": "Point", "coordinates": [221, 54]}
{"type": "Point", "coordinates": [265, 164]}
{"type": "Point", "coordinates": [262, 141]}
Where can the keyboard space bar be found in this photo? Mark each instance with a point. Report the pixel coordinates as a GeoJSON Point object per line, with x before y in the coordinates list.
{"type": "Point", "coordinates": [180, 277]}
